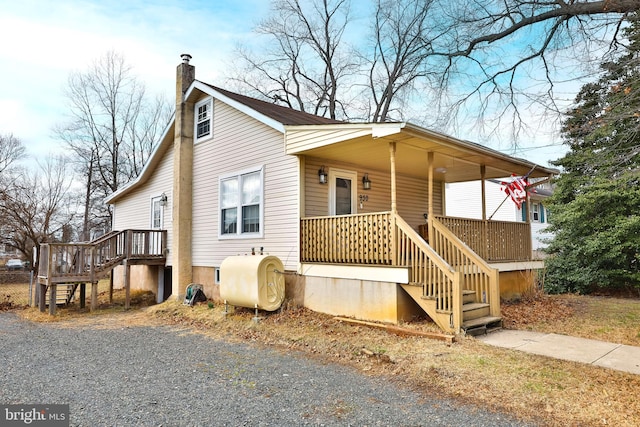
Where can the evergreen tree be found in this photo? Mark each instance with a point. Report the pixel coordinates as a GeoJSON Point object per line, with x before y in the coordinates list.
{"type": "Point", "coordinates": [595, 211]}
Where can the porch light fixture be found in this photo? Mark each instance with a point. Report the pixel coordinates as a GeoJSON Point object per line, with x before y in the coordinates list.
{"type": "Point", "coordinates": [322, 175]}
{"type": "Point", "coordinates": [441, 170]}
{"type": "Point", "coordinates": [163, 199]}
{"type": "Point", "coordinates": [366, 182]}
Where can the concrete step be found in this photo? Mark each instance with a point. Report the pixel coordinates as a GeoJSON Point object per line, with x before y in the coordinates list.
{"type": "Point", "coordinates": [482, 325]}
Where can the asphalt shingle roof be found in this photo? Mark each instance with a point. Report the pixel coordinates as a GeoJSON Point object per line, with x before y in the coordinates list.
{"type": "Point", "coordinates": [279, 113]}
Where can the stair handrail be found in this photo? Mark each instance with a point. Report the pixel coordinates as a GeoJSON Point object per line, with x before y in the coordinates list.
{"type": "Point", "coordinates": [104, 237]}
{"type": "Point", "coordinates": [416, 239]}
{"type": "Point", "coordinates": [443, 237]}
{"type": "Point", "coordinates": [439, 280]}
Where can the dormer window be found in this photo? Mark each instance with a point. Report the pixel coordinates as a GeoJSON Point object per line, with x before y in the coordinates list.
{"type": "Point", "coordinates": [203, 114]}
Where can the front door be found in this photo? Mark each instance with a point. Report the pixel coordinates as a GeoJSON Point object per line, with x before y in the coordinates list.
{"type": "Point", "coordinates": [342, 192]}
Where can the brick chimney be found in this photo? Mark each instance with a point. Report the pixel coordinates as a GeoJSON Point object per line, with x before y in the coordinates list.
{"type": "Point", "coordinates": [181, 257]}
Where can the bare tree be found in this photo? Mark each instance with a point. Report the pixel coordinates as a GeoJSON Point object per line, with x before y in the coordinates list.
{"type": "Point", "coordinates": [113, 129]}
{"type": "Point", "coordinates": [495, 61]}
{"type": "Point", "coordinates": [308, 64]}
{"type": "Point", "coordinates": [499, 58]}
{"type": "Point", "coordinates": [36, 206]}
{"type": "Point", "coordinates": [402, 44]}
{"type": "Point", "coordinates": [11, 150]}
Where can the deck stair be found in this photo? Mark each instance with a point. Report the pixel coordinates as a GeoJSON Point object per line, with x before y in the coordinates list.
{"type": "Point", "coordinates": [65, 293]}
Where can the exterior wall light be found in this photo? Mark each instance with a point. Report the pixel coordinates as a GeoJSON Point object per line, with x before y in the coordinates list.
{"type": "Point", "coordinates": [366, 182]}
{"type": "Point", "coordinates": [163, 199]}
{"type": "Point", "coordinates": [322, 175]}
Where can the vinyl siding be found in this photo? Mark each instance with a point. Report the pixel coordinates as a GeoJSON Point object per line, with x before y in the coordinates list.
{"type": "Point", "coordinates": [239, 143]}
{"type": "Point", "coordinates": [133, 211]}
{"type": "Point", "coordinates": [412, 193]}
{"type": "Point", "coordinates": [301, 140]}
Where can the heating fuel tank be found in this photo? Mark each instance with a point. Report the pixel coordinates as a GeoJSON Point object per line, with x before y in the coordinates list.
{"type": "Point", "coordinates": [255, 281]}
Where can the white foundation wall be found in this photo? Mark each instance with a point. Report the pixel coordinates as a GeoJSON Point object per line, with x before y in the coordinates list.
{"type": "Point", "coordinates": [360, 299]}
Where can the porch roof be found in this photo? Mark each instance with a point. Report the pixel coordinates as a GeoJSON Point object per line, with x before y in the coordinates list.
{"type": "Point", "coordinates": [367, 144]}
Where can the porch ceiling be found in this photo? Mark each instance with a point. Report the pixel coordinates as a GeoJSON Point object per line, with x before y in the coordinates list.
{"type": "Point", "coordinates": [368, 145]}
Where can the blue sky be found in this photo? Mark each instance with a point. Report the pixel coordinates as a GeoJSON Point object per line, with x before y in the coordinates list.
{"type": "Point", "coordinates": [44, 41]}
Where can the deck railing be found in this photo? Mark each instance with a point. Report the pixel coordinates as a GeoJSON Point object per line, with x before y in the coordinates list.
{"type": "Point", "coordinates": [494, 241]}
{"type": "Point", "coordinates": [444, 269]}
{"type": "Point", "coordinates": [89, 261]}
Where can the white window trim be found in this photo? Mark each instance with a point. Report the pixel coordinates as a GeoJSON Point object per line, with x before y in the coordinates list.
{"type": "Point", "coordinates": [346, 174]}
{"type": "Point", "coordinates": [195, 120]}
{"type": "Point", "coordinates": [239, 234]}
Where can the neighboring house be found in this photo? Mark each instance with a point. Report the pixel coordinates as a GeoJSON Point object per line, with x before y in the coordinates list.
{"type": "Point", "coordinates": [355, 212]}
{"type": "Point", "coordinates": [6, 251]}
{"type": "Point", "coordinates": [464, 199]}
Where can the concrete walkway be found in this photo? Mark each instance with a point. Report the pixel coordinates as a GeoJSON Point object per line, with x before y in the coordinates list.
{"type": "Point", "coordinates": [608, 355]}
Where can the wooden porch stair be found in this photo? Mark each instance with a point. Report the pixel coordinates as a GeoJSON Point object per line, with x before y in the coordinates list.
{"type": "Point", "coordinates": [476, 318]}
{"type": "Point", "coordinates": [456, 287]}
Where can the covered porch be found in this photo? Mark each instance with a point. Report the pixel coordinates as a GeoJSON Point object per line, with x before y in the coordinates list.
{"type": "Point", "coordinates": [391, 177]}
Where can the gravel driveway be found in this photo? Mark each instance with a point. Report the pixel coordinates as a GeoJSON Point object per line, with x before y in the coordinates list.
{"type": "Point", "coordinates": [118, 375]}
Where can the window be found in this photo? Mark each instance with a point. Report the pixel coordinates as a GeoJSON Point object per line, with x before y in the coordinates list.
{"type": "Point", "coordinates": [156, 213]}
{"type": "Point", "coordinates": [157, 223]}
{"type": "Point", "coordinates": [203, 114]}
{"type": "Point", "coordinates": [241, 204]}
{"type": "Point", "coordinates": [535, 212]}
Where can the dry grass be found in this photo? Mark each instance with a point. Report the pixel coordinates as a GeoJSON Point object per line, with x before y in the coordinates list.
{"type": "Point", "coordinates": [14, 295]}
{"type": "Point", "coordinates": [534, 388]}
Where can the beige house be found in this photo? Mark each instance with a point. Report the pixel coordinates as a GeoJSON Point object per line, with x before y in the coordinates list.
{"type": "Point", "coordinates": [355, 211]}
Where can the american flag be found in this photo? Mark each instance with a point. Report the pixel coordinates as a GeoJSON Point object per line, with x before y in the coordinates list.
{"type": "Point", "coordinates": [516, 189]}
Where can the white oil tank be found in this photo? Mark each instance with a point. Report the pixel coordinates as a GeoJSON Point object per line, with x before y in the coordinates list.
{"type": "Point", "coordinates": [255, 281]}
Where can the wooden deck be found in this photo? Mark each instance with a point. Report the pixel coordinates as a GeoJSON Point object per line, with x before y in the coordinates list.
{"type": "Point", "coordinates": [88, 262]}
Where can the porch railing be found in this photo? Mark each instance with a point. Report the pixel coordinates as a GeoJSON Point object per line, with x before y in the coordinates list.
{"type": "Point", "coordinates": [348, 239]}
{"type": "Point", "coordinates": [494, 241]}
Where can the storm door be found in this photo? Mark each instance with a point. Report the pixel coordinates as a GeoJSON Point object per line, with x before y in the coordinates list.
{"type": "Point", "coordinates": [342, 192]}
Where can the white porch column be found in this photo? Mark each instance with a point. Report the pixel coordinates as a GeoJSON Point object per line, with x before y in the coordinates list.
{"type": "Point", "coordinates": [483, 173]}
{"type": "Point", "coordinates": [430, 196]}
{"type": "Point", "coordinates": [392, 155]}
